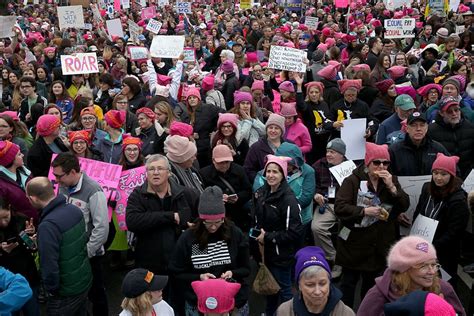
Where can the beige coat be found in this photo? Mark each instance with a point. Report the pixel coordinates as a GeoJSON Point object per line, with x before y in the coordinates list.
{"type": "Point", "coordinates": [286, 309]}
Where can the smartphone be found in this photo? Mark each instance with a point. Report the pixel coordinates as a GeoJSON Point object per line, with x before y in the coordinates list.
{"type": "Point", "coordinates": [254, 233]}
{"type": "Point", "coordinates": [29, 243]}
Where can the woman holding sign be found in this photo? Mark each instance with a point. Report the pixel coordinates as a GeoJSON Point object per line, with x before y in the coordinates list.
{"type": "Point", "coordinates": [444, 201]}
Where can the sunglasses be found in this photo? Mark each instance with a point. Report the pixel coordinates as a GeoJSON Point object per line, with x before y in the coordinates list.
{"type": "Point", "coordinates": [377, 163]}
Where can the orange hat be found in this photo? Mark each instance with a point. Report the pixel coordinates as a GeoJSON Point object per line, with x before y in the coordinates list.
{"type": "Point", "coordinates": [82, 134]}
{"type": "Point", "coordinates": [130, 140]}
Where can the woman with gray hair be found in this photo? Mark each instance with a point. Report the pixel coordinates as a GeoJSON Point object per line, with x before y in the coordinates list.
{"type": "Point", "coordinates": [226, 54]}
{"type": "Point", "coordinates": [316, 294]}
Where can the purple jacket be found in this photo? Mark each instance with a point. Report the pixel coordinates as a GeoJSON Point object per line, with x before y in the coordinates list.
{"type": "Point", "coordinates": [17, 197]}
{"type": "Point", "coordinates": [382, 293]}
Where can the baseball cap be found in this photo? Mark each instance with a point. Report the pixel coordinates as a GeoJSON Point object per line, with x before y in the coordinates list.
{"type": "Point", "coordinates": [447, 102]}
{"type": "Point", "coordinates": [139, 281]}
{"type": "Point", "coordinates": [416, 116]}
{"type": "Point", "coordinates": [404, 102]}
{"type": "Point", "coordinates": [222, 153]}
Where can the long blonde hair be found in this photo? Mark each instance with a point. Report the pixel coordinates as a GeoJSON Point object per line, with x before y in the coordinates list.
{"type": "Point", "coordinates": [402, 283]}
{"type": "Point", "coordinates": [138, 306]}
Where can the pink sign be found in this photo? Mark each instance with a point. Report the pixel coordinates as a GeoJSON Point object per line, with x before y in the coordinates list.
{"type": "Point", "coordinates": [342, 3]}
{"type": "Point", "coordinates": [148, 13]}
{"type": "Point", "coordinates": [129, 180]}
{"type": "Point", "coordinates": [117, 5]}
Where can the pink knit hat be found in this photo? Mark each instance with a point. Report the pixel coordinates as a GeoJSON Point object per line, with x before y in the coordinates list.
{"type": "Point", "coordinates": [288, 109]}
{"type": "Point", "coordinates": [240, 96]}
{"type": "Point", "coordinates": [12, 114]}
{"type": "Point", "coordinates": [163, 80]}
{"type": "Point", "coordinates": [258, 85]}
{"type": "Point", "coordinates": [286, 86]}
{"type": "Point", "coordinates": [323, 47]}
{"type": "Point", "coordinates": [345, 84]}
{"type": "Point", "coordinates": [114, 118]}
{"type": "Point", "coordinates": [329, 72]}
{"type": "Point", "coordinates": [330, 42]}
{"type": "Point", "coordinates": [47, 124]}
{"type": "Point", "coordinates": [282, 161]}
{"type": "Point", "coordinates": [227, 118]}
{"type": "Point", "coordinates": [384, 85]}
{"type": "Point", "coordinates": [316, 84]}
{"type": "Point", "coordinates": [207, 83]}
{"type": "Point", "coordinates": [396, 72]}
{"type": "Point", "coordinates": [215, 295]}
{"type": "Point", "coordinates": [192, 91]}
{"type": "Point", "coordinates": [179, 149]}
{"type": "Point", "coordinates": [360, 67]}
{"type": "Point", "coordinates": [252, 57]}
{"type": "Point", "coordinates": [148, 112]}
{"type": "Point", "coordinates": [8, 152]}
{"type": "Point", "coordinates": [435, 305]}
{"type": "Point", "coordinates": [445, 163]}
{"type": "Point", "coordinates": [374, 151]}
{"type": "Point", "coordinates": [181, 129]}
{"type": "Point", "coordinates": [423, 91]}
{"type": "Point", "coordinates": [406, 90]}
{"type": "Point", "coordinates": [278, 120]}
{"type": "Point", "coordinates": [227, 66]}
{"type": "Point", "coordinates": [409, 252]}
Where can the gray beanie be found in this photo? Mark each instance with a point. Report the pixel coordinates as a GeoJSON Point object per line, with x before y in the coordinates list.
{"type": "Point", "coordinates": [211, 204]}
{"type": "Point", "coordinates": [338, 145]}
{"type": "Point", "coordinates": [318, 55]}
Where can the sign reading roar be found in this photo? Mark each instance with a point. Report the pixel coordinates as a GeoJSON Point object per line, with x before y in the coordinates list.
{"type": "Point", "coordinates": [79, 64]}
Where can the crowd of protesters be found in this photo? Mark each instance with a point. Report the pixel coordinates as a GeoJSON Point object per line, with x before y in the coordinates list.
{"type": "Point", "coordinates": [237, 158]}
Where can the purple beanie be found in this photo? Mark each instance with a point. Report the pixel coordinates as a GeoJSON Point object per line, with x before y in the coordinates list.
{"type": "Point", "coordinates": [227, 66]}
{"type": "Point", "coordinates": [310, 256]}
{"type": "Point", "coordinates": [240, 96]}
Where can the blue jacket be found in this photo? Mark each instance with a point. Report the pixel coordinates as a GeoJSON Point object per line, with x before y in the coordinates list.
{"type": "Point", "coordinates": [111, 151]}
{"type": "Point", "coordinates": [15, 292]}
{"type": "Point", "coordinates": [301, 182]}
{"type": "Point", "coordinates": [390, 125]}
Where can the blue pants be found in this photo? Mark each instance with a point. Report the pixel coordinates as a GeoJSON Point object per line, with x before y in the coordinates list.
{"type": "Point", "coordinates": [283, 276]}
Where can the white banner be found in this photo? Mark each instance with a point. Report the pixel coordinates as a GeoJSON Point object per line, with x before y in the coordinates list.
{"type": "Point", "coordinates": [79, 64]}
{"type": "Point", "coordinates": [167, 46]}
{"type": "Point", "coordinates": [71, 17]}
{"type": "Point", "coordinates": [6, 26]}
{"type": "Point", "coordinates": [154, 26]}
{"type": "Point", "coordinates": [286, 58]}
{"type": "Point", "coordinates": [399, 28]}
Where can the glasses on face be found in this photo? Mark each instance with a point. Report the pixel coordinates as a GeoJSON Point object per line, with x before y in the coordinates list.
{"type": "Point", "coordinates": [215, 224]}
{"type": "Point", "coordinates": [88, 118]}
{"type": "Point", "coordinates": [377, 163]}
{"type": "Point", "coordinates": [59, 176]}
{"type": "Point", "coordinates": [156, 169]}
{"type": "Point", "coordinates": [428, 266]}
{"type": "Point", "coordinates": [227, 126]}
{"type": "Point", "coordinates": [131, 150]}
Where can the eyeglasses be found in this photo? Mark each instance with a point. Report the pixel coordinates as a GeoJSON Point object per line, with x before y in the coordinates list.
{"type": "Point", "coordinates": [428, 266]}
{"type": "Point", "coordinates": [59, 176]}
{"type": "Point", "coordinates": [377, 163]}
{"type": "Point", "coordinates": [122, 102]}
{"type": "Point", "coordinates": [227, 126]}
{"type": "Point", "coordinates": [132, 150]}
{"type": "Point", "coordinates": [215, 224]}
{"type": "Point", "coordinates": [88, 118]}
{"type": "Point", "coordinates": [156, 169]}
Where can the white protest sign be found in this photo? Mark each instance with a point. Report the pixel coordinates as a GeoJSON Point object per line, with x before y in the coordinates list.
{"type": "Point", "coordinates": [88, 26]}
{"type": "Point", "coordinates": [207, 16]}
{"type": "Point", "coordinates": [399, 28]}
{"type": "Point", "coordinates": [412, 186]}
{"type": "Point", "coordinates": [167, 46]}
{"type": "Point", "coordinates": [454, 5]}
{"type": "Point", "coordinates": [394, 4]}
{"type": "Point", "coordinates": [424, 227]}
{"type": "Point", "coordinates": [138, 52]}
{"type": "Point", "coordinates": [125, 4]}
{"type": "Point", "coordinates": [162, 3]}
{"type": "Point", "coordinates": [114, 27]}
{"type": "Point", "coordinates": [460, 29]}
{"type": "Point", "coordinates": [96, 12]}
{"type": "Point", "coordinates": [342, 170]}
{"type": "Point", "coordinates": [143, 3]}
{"type": "Point", "coordinates": [134, 30]}
{"type": "Point", "coordinates": [468, 184]}
{"type": "Point", "coordinates": [311, 22]}
{"type": "Point", "coordinates": [352, 133]}
{"type": "Point", "coordinates": [71, 16]}
{"type": "Point", "coordinates": [6, 26]}
{"type": "Point", "coordinates": [189, 55]}
{"type": "Point", "coordinates": [79, 64]}
{"type": "Point", "coordinates": [154, 26]}
{"type": "Point", "coordinates": [286, 58]}
{"type": "Point", "coordinates": [183, 7]}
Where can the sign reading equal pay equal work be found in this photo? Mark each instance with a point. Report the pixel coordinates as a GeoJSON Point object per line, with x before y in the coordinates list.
{"type": "Point", "coordinates": [399, 28]}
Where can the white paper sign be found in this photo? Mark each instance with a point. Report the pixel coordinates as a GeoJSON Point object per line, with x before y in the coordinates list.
{"type": "Point", "coordinates": [138, 52]}
{"type": "Point", "coordinates": [143, 3]}
{"type": "Point", "coordinates": [125, 4]}
{"type": "Point", "coordinates": [342, 170]}
{"type": "Point", "coordinates": [88, 26]}
{"type": "Point", "coordinates": [162, 3]}
{"type": "Point", "coordinates": [460, 29]}
{"type": "Point", "coordinates": [154, 26]}
{"type": "Point", "coordinates": [399, 28]}
{"type": "Point", "coordinates": [96, 12]}
{"type": "Point", "coordinates": [114, 27]}
{"type": "Point", "coordinates": [71, 16]}
{"type": "Point", "coordinates": [468, 184]}
{"type": "Point", "coordinates": [167, 46]}
{"type": "Point", "coordinates": [207, 16]}
{"type": "Point", "coordinates": [394, 4]}
{"type": "Point", "coordinates": [134, 30]}
{"type": "Point", "coordinates": [81, 63]}
{"type": "Point", "coordinates": [6, 26]}
{"type": "Point", "coordinates": [352, 133]}
{"type": "Point", "coordinates": [424, 227]}
{"type": "Point", "coordinates": [454, 5]}
{"type": "Point", "coordinates": [412, 186]}
{"type": "Point", "coordinates": [189, 55]}
{"type": "Point", "coordinates": [311, 22]}
{"type": "Point", "coordinates": [184, 7]}
{"type": "Point", "coordinates": [286, 58]}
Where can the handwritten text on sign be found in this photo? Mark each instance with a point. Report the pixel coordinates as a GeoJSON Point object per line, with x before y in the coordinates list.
{"type": "Point", "coordinates": [342, 171]}
{"type": "Point", "coordinates": [424, 227]}
{"type": "Point", "coordinates": [154, 26]}
{"type": "Point", "coordinates": [189, 55]}
{"type": "Point", "coordinates": [134, 30]}
{"type": "Point", "coordinates": [167, 46]}
{"type": "Point", "coordinates": [311, 22]}
{"type": "Point", "coordinates": [183, 7]}
{"type": "Point", "coordinates": [138, 53]}
{"type": "Point", "coordinates": [70, 16]}
{"type": "Point", "coordinates": [79, 64]}
{"type": "Point", "coordinates": [399, 28]}
{"type": "Point", "coordinates": [129, 180]}
{"type": "Point", "coordinates": [286, 58]}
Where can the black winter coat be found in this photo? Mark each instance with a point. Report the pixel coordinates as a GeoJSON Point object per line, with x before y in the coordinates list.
{"type": "Point", "coordinates": [453, 217]}
{"type": "Point", "coordinates": [458, 140]}
{"type": "Point", "coordinates": [155, 229]}
{"type": "Point", "coordinates": [410, 160]}
{"type": "Point", "coordinates": [39, 156]}
{"type": "Point", "coordinates": [138, 101]}
{"type": "Point", "coordinates": [149, 138]}
{"type": "Point", "coordinates": [366, 248]}
{"type": "Point", "coordinates": [331, 92]}
{"type": "Point", "coordinates": [231, 84]}
{"type": "Point", "coordinates": [368, 94]}
{"type": "Point", "coordinates": [278, 213]}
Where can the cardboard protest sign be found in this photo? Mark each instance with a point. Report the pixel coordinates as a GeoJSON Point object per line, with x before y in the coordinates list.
{"type": "Point", "coordinates": [129, 180]}
{"type": "Point", "coordinates": [311, 22]}
{"type": "Point", "coordinates": [83, 63]}
{"type": "Point", "coordinates": [352, 133]}
{"type": "Point", "coordinates": [134, 30]}
{"type": "Point", "coordinates": [167, 46]}
{"type": "Point", "coordinates": [183, 7]}
{"type": "Point", "coordinates": [189, 55]}
{"type": "Point", "coordinates": [424, 227]}
{"type": "Point", "coordinates": [286, 58]}
{"type": "Point", "coordinates": [399, 28]}
{"type": "Point", "coordinates": [6, 26]}
{"type": "Point", "coordinates": [154, 26]}
{"type": "Point", "coordinates": [70, 17]}
{"type": "Point", "coordinates": [114, 27]}
{"type": "Point", "coordinates": [148, 13]}
{"type": "Point", "coordinates": [342, 170]}
{"type": "Point", "coordinates": [137, 53]}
